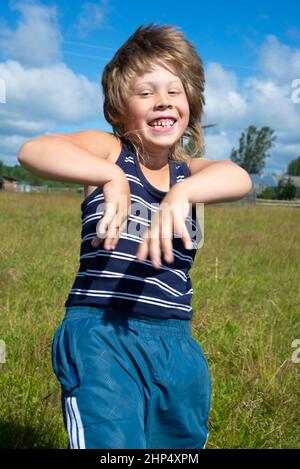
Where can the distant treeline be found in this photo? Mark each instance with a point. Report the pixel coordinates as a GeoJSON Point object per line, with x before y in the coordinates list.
{"type": "Point", "coordinates": [23, 174]}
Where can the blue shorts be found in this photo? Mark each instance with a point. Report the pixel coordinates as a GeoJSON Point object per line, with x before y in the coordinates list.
{"type": "Point", "coordinates": [130, 381]}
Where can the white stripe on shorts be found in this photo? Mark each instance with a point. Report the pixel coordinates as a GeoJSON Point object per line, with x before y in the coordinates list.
{"type": "Point", "coordinates": [74, 424]}
{"type": "Point", "coordinates": [205, 441]}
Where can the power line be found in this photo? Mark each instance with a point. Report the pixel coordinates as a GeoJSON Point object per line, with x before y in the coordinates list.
{"type": "Point", "coordinates": [85, 56]}
{"type": "Point", "coordinates": [94, 57]}
{"type": "Point", "coordinates": [107, 59]}
{"type": "Point", "coordinates": [113, 49]}
{"type": "Point", "coordinates": [238, 66]}
{"type": "Point", "coordinates": [89, 45]}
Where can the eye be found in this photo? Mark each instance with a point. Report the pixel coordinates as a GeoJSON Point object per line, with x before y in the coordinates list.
{"type": "Point", "coordinates": [145, 93]}
{"type": "Point", "coordinates": [173, 92]}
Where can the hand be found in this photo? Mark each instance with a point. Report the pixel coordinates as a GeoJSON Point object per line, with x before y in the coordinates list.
{"type": "Point", "coordinates": [170, 218]}
{"type": "Point", "coordinates": [117, 210]}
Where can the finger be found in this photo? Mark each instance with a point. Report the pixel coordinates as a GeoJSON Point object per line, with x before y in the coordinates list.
{"type": "Point", "coordinates": [112, 233]}
{"type": "Point", "coordinates": [166, 233]}
{"type": "Point", "coordinates": [98, 238]}
{"type": "Point", "coordinates": [143, 249]}
{"type": "Point", "coordinates": [96, 241]}
{"type": "Point", "coordinates": [110, 242]}
{"type": "Point", "coordinates": [103, 224]}
{"type": "Point", "coordinates": [115, 230]}
{"type": "Point", "coordinates": [101, 230]}
{"type": "Point", "coordinates": [119, 230]}
{"type": "Point", "coordinates": [154, 246]}
{"type": "Point", "coordinates": [182, 230]}
{"type": "Point", "coordinates": [154, 252]}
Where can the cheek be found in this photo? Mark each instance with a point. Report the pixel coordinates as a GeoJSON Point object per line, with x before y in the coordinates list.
{"type": "Point", "coordinates": [134, 115]}
{"type": "Point", "coordinates": [185, 109]}
{"type": "Point", "coordinates": [186, 113]}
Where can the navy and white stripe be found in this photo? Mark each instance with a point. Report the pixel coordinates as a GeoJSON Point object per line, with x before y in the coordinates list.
{"type": "Point", "coordinates": [116, 278]}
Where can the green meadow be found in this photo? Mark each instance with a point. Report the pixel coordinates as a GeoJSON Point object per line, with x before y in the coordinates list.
{"type": "Point", "coordinates": [246, 319]}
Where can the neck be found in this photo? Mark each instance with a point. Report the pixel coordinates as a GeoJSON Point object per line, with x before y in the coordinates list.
{"type": "Point", "coordinates": [155, 160]}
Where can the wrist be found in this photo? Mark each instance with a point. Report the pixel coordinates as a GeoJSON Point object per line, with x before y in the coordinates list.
{"type": "Point", "coordinates": [181, 191]}
{"type": "Point", "coordinates": [115, 172]}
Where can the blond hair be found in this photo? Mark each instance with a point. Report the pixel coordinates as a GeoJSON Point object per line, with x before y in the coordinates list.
{"type": "Point", "coordinates": [150, 45]}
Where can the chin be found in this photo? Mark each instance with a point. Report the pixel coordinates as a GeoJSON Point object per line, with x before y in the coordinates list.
{"type": "Point", "coordinates": [161, 143]}
{"type": "Point", "coordinates": [163, 140]}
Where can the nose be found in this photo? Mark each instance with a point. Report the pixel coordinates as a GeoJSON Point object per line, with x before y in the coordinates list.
{"type": "Point", "coordinates": [163, 101]}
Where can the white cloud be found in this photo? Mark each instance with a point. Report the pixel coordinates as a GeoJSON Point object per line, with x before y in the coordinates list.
{"type": "Point", "coordinates": [9, 143]}
{"type": "Point", "coordinates": [217, 146]}
{"type": "Point", "coordinates": [13, 126]}
{"type": "Point", "coordinates": [279, 61]}
{"type": "Point", "coordinates": [90, 18]}
{"type": "Point", "coordinates": [260, 100]}
{"type": "Point", "coordinates": [37, 39]}
{"type": "Point", "coordinates": [224, 105]}
{"type": "Point", "coordinates": [55, 93]}
{"type": "Point", "coordinates": [42, 93]}
{"type": "Point", "coordinates": [38, 100]}
{"type": "Point", "coordinates": [270, 104]}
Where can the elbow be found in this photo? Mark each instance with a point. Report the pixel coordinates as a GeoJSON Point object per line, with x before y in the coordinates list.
{"type": "Point", "coordinates": [248, 183]}
{"type": "Point", "coordinates": [21, 155]}
{"type": "Point", "coordinates": [24, 153]}
{"type": "Point", "coordinates": [245, 181]}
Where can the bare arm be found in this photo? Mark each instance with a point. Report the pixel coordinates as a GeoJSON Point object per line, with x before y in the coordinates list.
{"type": "Point", "coordinates": [79, 157]}
{"type": "Point", "coordinates": [218, 181]}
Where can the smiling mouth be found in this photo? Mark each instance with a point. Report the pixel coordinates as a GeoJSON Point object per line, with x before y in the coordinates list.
{"type": "Point", "coordinates": [162, 124]}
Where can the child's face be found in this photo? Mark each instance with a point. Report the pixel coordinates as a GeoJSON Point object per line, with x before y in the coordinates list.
{"type": "Point", "coordinates": [158, 109]}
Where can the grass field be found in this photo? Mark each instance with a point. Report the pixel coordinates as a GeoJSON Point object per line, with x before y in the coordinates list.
{"type": "Point", "coordinates": [246, 316]}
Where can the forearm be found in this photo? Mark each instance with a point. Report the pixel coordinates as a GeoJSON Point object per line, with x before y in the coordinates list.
{"type": "Point", "coordinates": [222, 181]}
{"type": "Point", "coordinates": [58, 159]}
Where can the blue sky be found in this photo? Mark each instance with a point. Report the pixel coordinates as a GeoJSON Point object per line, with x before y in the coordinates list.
{"type": "Point", "coordinates": [52, 55]}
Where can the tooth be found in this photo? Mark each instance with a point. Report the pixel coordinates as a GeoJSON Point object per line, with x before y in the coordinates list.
{"type": "Point", "coordinates": [164, 123]}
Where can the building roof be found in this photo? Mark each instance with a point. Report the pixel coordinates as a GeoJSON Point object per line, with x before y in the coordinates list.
{"type": "Point", "coordinates": [295, 179]}
{"type": "Point", "coordinates": [10, 178]}
{"type": "Point", "coordinates": [269, 181]}
{"type": "Point", "coordinates": [272, 181]}
{"type": "Point", "coordinates": [264, 180]}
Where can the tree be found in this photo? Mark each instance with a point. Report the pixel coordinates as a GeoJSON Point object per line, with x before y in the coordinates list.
{"type": "Point", "coordinates": [294, 167]}
{"type": "Point", "coordinates": [286, 189]}
{"type": "Point", "coordinates": [23, 174]}
{"type": "Point", "coordinates": [253, 147]}
{"type": "Point", "coordinates": [268, 193]}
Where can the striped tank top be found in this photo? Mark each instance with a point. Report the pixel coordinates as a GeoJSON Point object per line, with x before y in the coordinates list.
{"type": "Point", "coordinates": [116, 278]}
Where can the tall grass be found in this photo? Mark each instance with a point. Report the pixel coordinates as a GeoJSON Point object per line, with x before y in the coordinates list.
{"type": "Point", "coordinates": [246, 316]}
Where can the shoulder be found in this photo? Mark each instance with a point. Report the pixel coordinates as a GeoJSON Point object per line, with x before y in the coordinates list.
{"type": "Point", "coordinates": [197, 164]}
{"type": "Point", "coordinates": [100, 143]}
